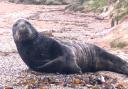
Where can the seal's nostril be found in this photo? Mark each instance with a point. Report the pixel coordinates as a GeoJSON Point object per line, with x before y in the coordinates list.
{"type": "Point", "coordinates": [22, 28]}
{"type": "Point", "coordinates": [22, 31]}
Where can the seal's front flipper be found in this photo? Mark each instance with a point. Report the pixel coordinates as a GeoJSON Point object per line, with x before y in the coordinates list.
{"type": "Point", "coordinates": [52, 66]}
{"type": "Point", "coordinates": [75, 69]}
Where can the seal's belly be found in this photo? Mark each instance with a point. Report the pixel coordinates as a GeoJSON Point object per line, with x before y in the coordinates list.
{"type": "Point", "coordinates": [84, 55]}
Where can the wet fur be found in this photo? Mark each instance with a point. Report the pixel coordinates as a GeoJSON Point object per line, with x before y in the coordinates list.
{"type": "Point", "coordinates": [44, 54]}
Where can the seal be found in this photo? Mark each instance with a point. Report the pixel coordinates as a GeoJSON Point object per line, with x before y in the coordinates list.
{"type": "Point", "coordinates": [44, 54]}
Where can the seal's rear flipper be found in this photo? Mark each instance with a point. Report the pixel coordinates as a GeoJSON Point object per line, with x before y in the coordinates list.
{"type": "Point", "coordinates": [110, 62]}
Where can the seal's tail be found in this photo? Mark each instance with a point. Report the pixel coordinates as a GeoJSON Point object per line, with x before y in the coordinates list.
{"type": "Point", "coordinates": [110, 62]}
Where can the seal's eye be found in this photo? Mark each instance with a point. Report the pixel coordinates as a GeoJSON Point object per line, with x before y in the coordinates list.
{"type": "Point", "coordinates": [15, 25]}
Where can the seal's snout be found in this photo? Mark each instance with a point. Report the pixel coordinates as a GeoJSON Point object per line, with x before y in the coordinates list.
{"type": "Point", "coordinates": [21, 26]}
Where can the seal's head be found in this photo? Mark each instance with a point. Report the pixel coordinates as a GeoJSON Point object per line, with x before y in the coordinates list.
{"type": "Point", "coordinates": [23, 31]}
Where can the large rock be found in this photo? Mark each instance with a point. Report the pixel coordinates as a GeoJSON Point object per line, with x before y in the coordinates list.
{"type": "Point", "coordinates": [47, 2]}
{"type": "Point", "coordinates": [55, 2]}
{"type": "Point", "coordinates": [22, 1]}
{"type": "Point", "coordinates": [75, 5]}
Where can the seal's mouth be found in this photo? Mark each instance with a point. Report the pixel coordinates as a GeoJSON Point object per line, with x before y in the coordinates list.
{"type": "Point", "coordinates": [21, 35]}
